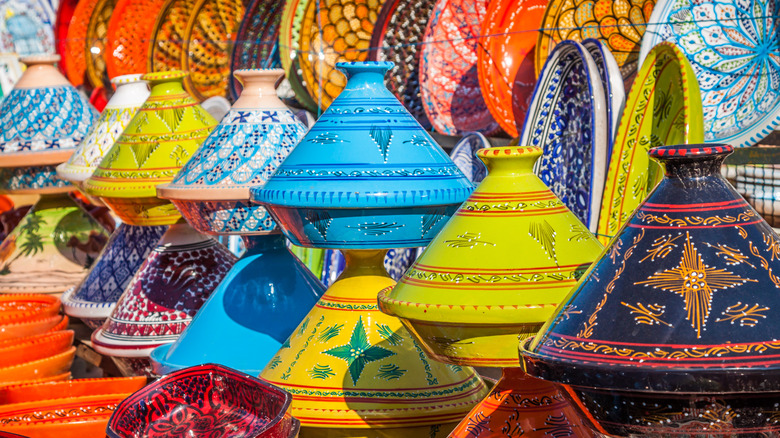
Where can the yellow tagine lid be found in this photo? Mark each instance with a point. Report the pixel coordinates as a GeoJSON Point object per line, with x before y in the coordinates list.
{"type": "Point", "coordinates": [498, 268]}
{"type": "Point", "coordinates": [348, 365]}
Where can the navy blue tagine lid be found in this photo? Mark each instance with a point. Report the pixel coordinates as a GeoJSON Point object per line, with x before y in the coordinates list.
{"type": "Point", "coordinates": [685, 298]}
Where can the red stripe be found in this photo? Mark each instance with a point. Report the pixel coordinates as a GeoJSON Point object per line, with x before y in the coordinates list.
{"type": "Point", "coordinates": [658, 227]}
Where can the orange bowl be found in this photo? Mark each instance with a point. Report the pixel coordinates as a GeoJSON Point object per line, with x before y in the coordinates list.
{"type": "Point", "coordinates": [57, 378]}
{"type": "Point", "coordinates": [25, 307]}
{"type": "Point", "coordinates": [29, 392]}
{"type": "Point", "coordinates": [62, 325]}
{"type": "Point", "coordinates": [34, 348]}
{"type": "Point", "coordinates": [32, 327]}
{"type": "Point", "coordinates": [46, 367]}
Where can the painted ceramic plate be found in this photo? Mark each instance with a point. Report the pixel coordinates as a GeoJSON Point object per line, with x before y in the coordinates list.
{"type": "Point", "coordinates": [165, 47]}
{"type": "Point", "coordinates": [128, 36]}
{"type": "Point", "coordinates": [76, 44]}
{"type": "Point", "coordinates": [612, 81]}
{"type": "Point", "coordinates": [27, 27]}
{"type": "Point", "coordinates": [64, 15]}
{"type": "Point", "coordinates": [257, 40]}
{"type": "Point", "coordinates": [96, 44]}
{"type": "Point", "coordinates": [341, 31]}
{"type": "Point", "coordinates": [734, 49]}
{"type": "Point", "coordinates": [399, 22]}
{"type": "Point", "coordinates": [619, 24]}
{"type": "Point", "coordinates": [289, 32]}
{"type": "Point", "coordinates": [449, 83]}
{"type": "Point", "coordinates": [208, 43]}
{"type": "Point", "coordinates": [568, 120]}
{"type": "Point", "coordinates": [464, 155]}
{"type": "Point", "coordinates": [506, 59]}
{"type": "Point", "coordinates": [662, 108]}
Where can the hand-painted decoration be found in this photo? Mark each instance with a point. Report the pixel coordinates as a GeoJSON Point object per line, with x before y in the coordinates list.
{"type": "Point", "coordinates": [96, 42]}
{"type": "Point", "coordinates": [734, 49]}
{"type": "Point", "coordinates": [612, 82]}
{"type": "Point", "coordinates": [470, 294]}
{"type": "Point", "coordinates": [568, 119]}
{"type": "Point", "coordinates": [665, 93]}
{"type": "Point", "coordinates": [75, 45]}
{"type": "Point", "coordinates": [65, 12]}
{"type": "Point", "coordinates": [27, 27]}
{"type": "Point", "coordinates": [257, 40]}
{"type": "Point", "coordinates": [464, 155]}
{"type": "Point", "coordinates": [167, 37]}
{"type": "Point", "coordinates": [685, 295]}
{"type": "Point", "coordinates": [129, 34]}
{"type": "Point", "coordinates": [289, 45]}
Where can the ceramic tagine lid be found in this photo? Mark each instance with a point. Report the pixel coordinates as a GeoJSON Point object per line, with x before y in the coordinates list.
{"type": "Point", "coordinates": [471, 293]}
{"type": "Point", "coordinates": [42, 121]}
{"type": "Point", "coordinates": [366, 175]}
{"type": "Point", "coordinates": [685, 299]}
{"type": "Point", "coordinates": [130, 94]}
{"type": "Point", "coordinates": [159, 140]}
{"type": "Point", "coordinates": [251, 141]}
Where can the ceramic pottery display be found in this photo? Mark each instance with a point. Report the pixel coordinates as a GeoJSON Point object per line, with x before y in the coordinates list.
{"type": "Point", "coordinates": [568, 119]}
{"type": "Point", "coordinates": [449, 85]}
{"type": "Point", "coordinates": [23, 307]}
{"type": "Point", "coordinates": [734, 49]}
{"type": "Point", "coordinates": [471, 294]}
{"type": "Point", "coordinates": [464, 155]}
{"type": "Point", "coordinates": [94, 298]}
{"type": "Point", "coordinates": [167, 37]}
{"type": "Point", "coordinates": [30, 392]}
{"type": "Point", "coordinates": [130, 94]}
{"type": "Point", "coordinates": [520, 405]}
{"type": "Point", "coordinates": [357, 180]}
{"type": "Point", "coordinates": [162, 136]}
{"type": "Point", "coordinates": [51, 249]}
{"type": "Point", "coordinates": [128, 35]}
{"type": "Point", "coordinates": [75, 45]}
{"type": "Point", "coordinates": [207, 400]}
{"type": "Point", "coordinates": [13, 331]}
{"type": "Point", "coordinates": [612, 82]}
{"type": "Point", "coordinates": [35, 348]}
{"type": "Point", "coordinates": [619, 25]}
{"type": "Point", "coordinates": [257, 40]}
{"type": "Point", "coordinates": [398, 23]}
{"type": "Point", "coordinates": [350, 367]}
{"type": "Point", "coordinates": [65, 12]}
{"type": "Point", "coordinates": [174, 281]}
{"type": "Point", "coordinates": [666, 92]}
{"type": "Point", "coordinates": [48, 367]}
{"type": "Point", "coordinates": [505, 59]}
{"type": "Point", "coordinates": [26, 27]}
{"type": "Point", "coordinates": [672, 331]}
{"type": "Point", "coordinates": [289, 31]}
{"type": "Point", "coordinates": [96, 43]}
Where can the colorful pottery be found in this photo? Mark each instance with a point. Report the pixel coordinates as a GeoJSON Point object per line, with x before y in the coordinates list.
{"type": "Point", "coordinates": [11, 332]}
{"type": "Point", "coordinates": [520, 405]}
{"type": "Point", "coordinates": [26, 27]}
{"type": "Point", "coordinates": [130, 94]}
{"type": "Point", "coordinates": [505, 59]}
{"type": "Point", "coordinates": [449, 83]}
{"type": "Point", "coordinates": [25, 307]}
{"type": "Point", "coordinates": [398, 23]}
{"type": "Point", "coordinates": [128, 35]}
{"type": "Point", "coordinates": [666, 92]}
{"type": "Point", "coordinates": [75, 53]}
{"type": "Point", "coordinates": [35, 348]}
{"type": "Point", "coordinates": [46, 367]}
{"type": "Point", "coordinates": [96, 43]}
{"type": "Point", "coordinates": [31, 392]}
{"type": "Point", "coordinates": [612, 82]}
{"type": "Point", "coordinates": [619, 25]}
{"type": "Point", "coordinates": [10, 72]}
{"type": "Point", "coordinates": [464, 155]}
{"type": "Point", "coordinates": [289, 31]}
{"type": "Point", "coordinates": [734, 48]}
{"type": "Point", "coordinates": [94, 298]}
{"type": "Point", "coordinates": [167, 36]}
{"type": "Point", "coordinates": [568, 119]}
{"type": "Point", "coordinates": [65, 12]}
{"type": "Point", "coordinates": [672, 331]}
{"type": "Point", "coordinates": [207, 400]}
{"type": "Point", "coordinates": [172, 284]}
{"type": "Point", "coordinates": [359, 181]}
{"type": "Point", "coordinates": [58, 378]}
{"type": "Point", "coordinates": [470, 294]}
{"type": "Point", "coordinates": [159, 140]}
{"type": "Point", "coordinates": [257, 40]}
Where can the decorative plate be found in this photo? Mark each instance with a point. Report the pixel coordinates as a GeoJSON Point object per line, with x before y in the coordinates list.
{"type": "Point", "coordinates": [96, 44]}
{"type": "Point", "coordinates": [464, 155]}
{"type": "Point", "coordinates": [448, 72]}
{"type": "Point", "coordinates": [399, 22]}
{"type": "Point", "coordinates": [128, 36]}
{"type": "Point", "coordinates": [165, 46]}
{"type": "Point", "coordinates": [27, 27]}
{"type": "Point", "coordinates": [734, 49]}
{"type": "Point", "coordinates": [612, 82]}
{"type": "Point", "coordinates": [207, 45]}
{"type": "Point", "coordinates": [76, 43]}
{"type": "Point", "coordinates": [662, 108]}
{"type": "Point", "coordinates": [568, 120]}
{"type": "Point", "coordinates": [64, 15]}
{"type": "Point", "coordinates": [618, 24]}
{"type": "Point", "coordinates": [289, 31]}
{"type": "Point", "coordinates": [257, 40]}
{"type": "Point", "coordinates": [506, 57]}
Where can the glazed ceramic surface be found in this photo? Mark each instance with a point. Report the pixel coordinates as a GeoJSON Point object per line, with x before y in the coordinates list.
{"type": "Point", "coordinates": [94, 298]}
{"type": "Point", "coordinates": [26, 27]}
{"type": "Point", "coordinates": [733, 47]}
{"type": "Point", "coordinates": [159, 140]}
{"type": "Point", "coordinates": [666, 92]}
{"type": "Point", "coordinates": [207, 400]}
{"type": "Point", "coordinates": [464, 155]}
{"type": "Point", "coordinates": [449, 84]}
{"type": "Point", "coordinates": [47, 367]}
{"type": "Point", "coordinates": [65, 12]}
{"type": "Point", "coordinates": [618, 24]}
{"type": "Point", "coordinates": [470, 294]}
{"type": "Point", "coordinates": [289, 31]}
{"type": "Point", "coordinates": [338, 189]}
{"type": "Point", "coordinates": [505, 59]}
{"type": "Point", "coordinates": [347, 365]}
{"type": "Point", "coordinates": [128, 35]}
{"type": "Point", "coordinates": [97, 43]}
{"type": "Point", "coordinates": [568, 119]}
{"type": "Point", "coordinates": [243, 151]}
{"type": "Point", "coordinates": [257, 40]}
{"type": "Point", "coordinates": [10, 72]}
{"type": "Point", "coordinates": [167, 37]}
{"type": "Point", "coordinates": [30, 392]}
{"type": "Point", "coordinates": [130, 94]}
{"type": "Point", "coordinates": [35, 348]}
{"type": "Point", "coordinates": [260, 302]}
{"type": "Point", "coordinates": [11, 332]}
{"type": "Point", "coordinates": [51, 249]}
{"type": "Point", "coordinates": [76, 43]}
{"type": "Point", "coordinates": [612, 82]}
{"type": "Point", "coordinates": [398, 23]}
{"type": "Point", "coordinates": [24, 307]}
{"type": "Point", "coordinates": [687, 291]}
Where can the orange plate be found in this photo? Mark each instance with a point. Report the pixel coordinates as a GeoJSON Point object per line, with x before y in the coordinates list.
{"type": "Point", "coordinates": [35, 348]}
{"type": "Point", "coordinates": [46, 367]}
{"type": "Point", "coordinates": [96, 43]}
{"type": "Point", "coordinates": [76, 44]}
{"type": "Point", "coordinates": [32, 327]}
{"type": "Point", "coordinates": [129, 32]}
{"type": "Point", "coordinates": [25, 307]}
{"type": "Point", "coordinates": [167, 35]}
{"type": "Point", "coordinates": [58, 378]}
{"type": "Point", "coordinates": [30, 392]}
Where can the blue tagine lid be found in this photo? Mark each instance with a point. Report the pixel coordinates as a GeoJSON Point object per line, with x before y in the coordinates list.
{"type": "Point", "coordinates": [42, 121]}
{"type": "Point", "coordinates": [367, 175]}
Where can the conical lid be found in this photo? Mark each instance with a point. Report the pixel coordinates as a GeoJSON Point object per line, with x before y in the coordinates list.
{"type": "Point", "coordinates": [130, 94]}
{"type": "Point", "coordinates": [471, 293]}
{"type": "Point", "coordinates": [44, 118]}
{"type": "Point", "coordinates": [348, 365]}
{"type": "Point", "coordinates": [685, 298]}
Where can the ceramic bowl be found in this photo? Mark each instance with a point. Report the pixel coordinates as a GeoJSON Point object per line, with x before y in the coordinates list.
{"type": "Point", "coordinates": [100, 311]}
{"type": "Point", "coordinates": [226, 217]}
{"type": "Point", "coordinates": [56, 378]}
{"type": "Point", "coordinates": [33, 179]}
{"type": "Point", "coordinates": [209, 400]}
{"type": "Point", "coordinates": [47, 367]}
{"type": "Point", "coordinates": [10, 435]}
{"type": "Point", "coordinates": [143, 211]}
{"type": "Point", "coordinates": [32, 327]}
{"type": "Point", "coordinates": [25, 307]}
{"type": "Point", "coordinates": [35, 348]}
{"type": "Point", "coordinates": [36, 391]}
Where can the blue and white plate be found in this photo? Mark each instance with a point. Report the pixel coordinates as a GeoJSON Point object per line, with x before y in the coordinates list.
{"type": "Point", "coordinates": [614, 87]}
{"type": "Point", "coordinates": [464, 155]}
{"type": "Point", "coordinates": [27, 27]}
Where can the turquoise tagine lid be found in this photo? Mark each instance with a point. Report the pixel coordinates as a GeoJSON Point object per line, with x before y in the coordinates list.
{"type": "Point", "coordinates": [367, 175]}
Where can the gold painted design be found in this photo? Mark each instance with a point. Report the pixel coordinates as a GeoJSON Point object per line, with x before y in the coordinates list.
{"type": "Point", "coordinates": [544, 234]}
{"type": "Point", "coordinates": [711, 221]}
{"type": "Point", "coordinates": [648, 314]}
{"type": "Point", "coordinates": [467, 240]}
{"type": "Point", "coordinates": [740, 313]}
{"type": "Point", "coordinates": [661, 247]}
{"type": "Point", "coordinates": [732, 256]}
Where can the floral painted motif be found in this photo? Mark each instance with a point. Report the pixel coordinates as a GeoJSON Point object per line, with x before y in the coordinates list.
{"type": "Point", "coordinates": [30, 178]}
{"type": "Point", "coordinates": [27, 27]}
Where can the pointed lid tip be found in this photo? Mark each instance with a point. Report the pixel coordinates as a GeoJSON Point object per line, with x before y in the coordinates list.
{"type": "Point", "coordinates": [164, 76]}
{"type": "Point", "coordinates": [510, 151]}
{"type": "Point", "coordinates": [353, 68]}
{"type": "Point", "coordinates": [40, 59]}
{"type": "Point", "coordinates": [691, 151]}
{"type": "Point", "coordinates": [127, 79]}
